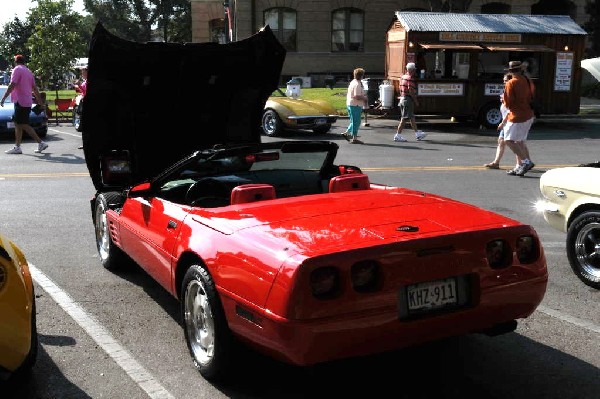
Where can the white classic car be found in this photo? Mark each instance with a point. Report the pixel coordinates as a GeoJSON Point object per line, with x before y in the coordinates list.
{"type": "Point", "coordinates": [571, 203]}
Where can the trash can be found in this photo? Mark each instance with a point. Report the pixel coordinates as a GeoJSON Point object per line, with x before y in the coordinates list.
{"type": "Point", "coordinates": [371, 86]}
{"type": "Point", "coordinates": [293, 88]}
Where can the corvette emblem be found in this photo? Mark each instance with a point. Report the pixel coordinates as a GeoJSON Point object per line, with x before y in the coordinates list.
{"type": "Point", "coordinates": [410, 229]}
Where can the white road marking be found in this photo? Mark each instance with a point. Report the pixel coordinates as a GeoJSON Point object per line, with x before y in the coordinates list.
{"type": "Point", "coordinates": [119, 354]}
{"type": "Point", "coordinates": [587, 325]}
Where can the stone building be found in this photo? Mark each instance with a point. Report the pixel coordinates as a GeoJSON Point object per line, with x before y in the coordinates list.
{"type": "Point", "coordinates": [329, 38]}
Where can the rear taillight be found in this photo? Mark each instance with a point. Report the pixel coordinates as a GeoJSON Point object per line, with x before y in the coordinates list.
{"type": "Point", "coordinates": [325, 282]}
{"type": "Point", "coordinates": [498, 254]}
{"type": "Point", "coordinates": [527, 249]}
{"type": "Point", "coordinates": [365, 276]}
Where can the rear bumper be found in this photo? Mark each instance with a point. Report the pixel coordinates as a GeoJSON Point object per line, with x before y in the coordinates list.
{"type": "Point", "coordinates": [307, 343]}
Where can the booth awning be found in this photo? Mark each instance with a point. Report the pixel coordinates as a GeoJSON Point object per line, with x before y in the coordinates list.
{"type": "Point", "coordinates": [450, 46]}
{"type": "Point", "coordinates": [519, 47]}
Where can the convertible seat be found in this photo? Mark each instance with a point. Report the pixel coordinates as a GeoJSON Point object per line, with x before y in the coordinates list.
{"type": "Point", "coordinates": [349, 182]}
{"type": "Point", "coordinates": [251, 193]}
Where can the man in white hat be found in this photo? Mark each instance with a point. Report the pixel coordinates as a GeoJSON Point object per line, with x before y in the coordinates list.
{"type": "Point", "coordinates": [408, 101]}
{"type": "Point", "coordinates": [518, 94]}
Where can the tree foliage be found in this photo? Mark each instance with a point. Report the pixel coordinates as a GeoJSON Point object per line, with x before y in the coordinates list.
{"type": "Point", "coordinates": [144, 20]}
{"type": "Point", "coordinates": [592, 26]}
{"type": "Point", "coordinates": [55, 40]}
{"type": "Point", "coordinates": [13, 40]}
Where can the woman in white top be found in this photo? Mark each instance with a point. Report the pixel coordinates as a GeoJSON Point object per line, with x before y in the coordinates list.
{"type": "Point", "coordinates": [356, 98]}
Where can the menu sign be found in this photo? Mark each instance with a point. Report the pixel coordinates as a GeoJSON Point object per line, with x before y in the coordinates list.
{"type": "Point", "coordinates": [564, 71]}
{"type": "Point", "coordinates": [440, 89]}
{"type": "Point", "coordinates": [480, 37]}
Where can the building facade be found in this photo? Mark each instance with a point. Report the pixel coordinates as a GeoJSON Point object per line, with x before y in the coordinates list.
{"type": "Point", "coordinates": [327, 39]}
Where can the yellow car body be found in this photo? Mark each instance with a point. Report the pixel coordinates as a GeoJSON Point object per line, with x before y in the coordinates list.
{"type": "Point", "coordinates": [294, 113]}
{"type": "Point", "coordinates": [18, 332]}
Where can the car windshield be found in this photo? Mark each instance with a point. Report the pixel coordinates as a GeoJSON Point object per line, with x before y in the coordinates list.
{"type": "Point", "coordinates": [291, 156]}
{"type": "Point", "coordinates": [292, 167]}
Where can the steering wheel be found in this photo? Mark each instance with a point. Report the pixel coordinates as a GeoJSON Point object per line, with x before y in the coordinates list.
{"type": "Point", "coordinates": [208, 192]}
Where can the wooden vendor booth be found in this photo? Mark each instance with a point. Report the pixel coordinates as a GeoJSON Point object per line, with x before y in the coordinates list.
{"type": "Point", "coordinates": [461, 59]}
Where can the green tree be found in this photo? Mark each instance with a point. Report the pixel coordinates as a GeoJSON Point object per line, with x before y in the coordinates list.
{"type": "Point", "coordinates": [13, 40]}
{"type": "Point", "coordinates": [144, 20]}
{"type": "Point", "coordinates": [592, 26]}
{"type": "Point", "coordinates": [55, 40]}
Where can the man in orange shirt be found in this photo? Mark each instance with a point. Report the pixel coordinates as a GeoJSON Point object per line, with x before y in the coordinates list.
{"type": "Point", "coordinates": [518, 94]}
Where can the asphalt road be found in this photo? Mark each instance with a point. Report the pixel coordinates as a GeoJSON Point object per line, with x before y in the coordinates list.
{"type": "Point", "coordinates": [107, 335]}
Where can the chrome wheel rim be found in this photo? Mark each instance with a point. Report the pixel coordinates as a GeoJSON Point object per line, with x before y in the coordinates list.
{"type": "Point", "coordinates": [269, 123]}
{"type": "Point", "coordinates": [199, 323]}
{"type": "Point", "coordinates": [494, 116]}
{"type": "Point", "coordinates": [587, 251]}
{"type": "Point", "coordinates": [102, 234]}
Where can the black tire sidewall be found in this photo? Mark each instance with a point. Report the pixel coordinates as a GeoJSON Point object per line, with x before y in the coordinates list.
{"type": "Point", "coordinates": [575, 227]}
{"type": "Point", "coordinates": [217, 368]}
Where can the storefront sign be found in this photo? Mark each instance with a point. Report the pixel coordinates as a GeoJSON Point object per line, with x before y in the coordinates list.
{"type": "Point", "coordinates": [480, 37]}
{"type": "Point", "coordinates": [564, 70]}
{"type": "Point", "coordinates": [440, 89]}
{"type": "Point", "coordinates": [493, 89]}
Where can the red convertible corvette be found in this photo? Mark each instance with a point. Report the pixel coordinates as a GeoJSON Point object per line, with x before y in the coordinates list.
{"type": "Point", "coordinates": [274, 244]}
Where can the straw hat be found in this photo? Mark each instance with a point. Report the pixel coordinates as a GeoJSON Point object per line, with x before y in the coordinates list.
{"type": "Point", "coordinates": [515, 66]}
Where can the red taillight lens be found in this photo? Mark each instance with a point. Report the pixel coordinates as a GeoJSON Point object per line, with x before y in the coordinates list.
{"type": "Point", "coordinates": [365, 276]}
{"type": "Point", "coordinates": [527, 249]}
{"type": "Point", "coordinates": [325, 282]}
{"type": "Point", "coordinates": [498, 254]}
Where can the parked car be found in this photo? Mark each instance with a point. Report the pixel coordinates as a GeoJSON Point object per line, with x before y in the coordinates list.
{"type": "Point", "coordinates": [294, 113]}
{"type": "Point", "coordinates": [571, 203]}
{"type": "Point", "coordinates": [37, 120]}
{"type": "Point", "coordinates": [275, 245]}
{"type": "Point", "coordinates": [18, 332]}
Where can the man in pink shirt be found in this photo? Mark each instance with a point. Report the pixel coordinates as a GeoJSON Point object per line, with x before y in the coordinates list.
{"type": "Point", "coordinates": [22, 84]}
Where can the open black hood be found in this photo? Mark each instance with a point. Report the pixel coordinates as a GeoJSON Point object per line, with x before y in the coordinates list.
{"type": "Point", "coordinates": [158, 102]}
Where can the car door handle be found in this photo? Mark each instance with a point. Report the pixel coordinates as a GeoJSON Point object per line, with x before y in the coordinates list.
{"type": "Point", "coordinates": [172, 224]}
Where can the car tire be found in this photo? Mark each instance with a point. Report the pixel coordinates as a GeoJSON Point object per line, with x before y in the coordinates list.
{"type": "Point", "coordinates": [322, 129]}
{"type": "Point", "coordinates": [271, 123]}
{"type": "Point", "coordinates": [490, 115]}
{"type": "Point", "coordinates": [583, 247]}
{"type": "Point", "coordinates": [209, 340]}
{"type": "Point", "coordinates": [111, 256]}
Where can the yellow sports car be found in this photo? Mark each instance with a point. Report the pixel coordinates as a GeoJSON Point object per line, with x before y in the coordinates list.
{"type": "Point", "coordinates": [18, 332]}
{"type": "Point", "coordinates": [282, 112]}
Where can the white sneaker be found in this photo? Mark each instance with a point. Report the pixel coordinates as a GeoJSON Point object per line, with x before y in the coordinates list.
{"type": "Point", "coordinates": [14, 150]}
{"type": "Point", "coordinates": [41, 147]}
{"type": "Point", "coordinates": [419, 135]}
{"type": "Point", "coordinates": [398, 137]}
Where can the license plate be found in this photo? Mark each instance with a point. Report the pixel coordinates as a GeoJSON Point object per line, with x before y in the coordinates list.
{"type": "Point", "coordinates": [10, 125]}
{"type": "Point", "coordinates": [321, 121]}
{"type": "Point", "coordinates": [431, 295]}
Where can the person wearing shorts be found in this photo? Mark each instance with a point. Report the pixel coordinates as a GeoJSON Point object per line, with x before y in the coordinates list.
{"type": "Point", "coordinates": [408, 100]}
{"type": "Point", "coordinates": [22, 85]}
{"type": "Point", "coordinates": [517, 97]}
